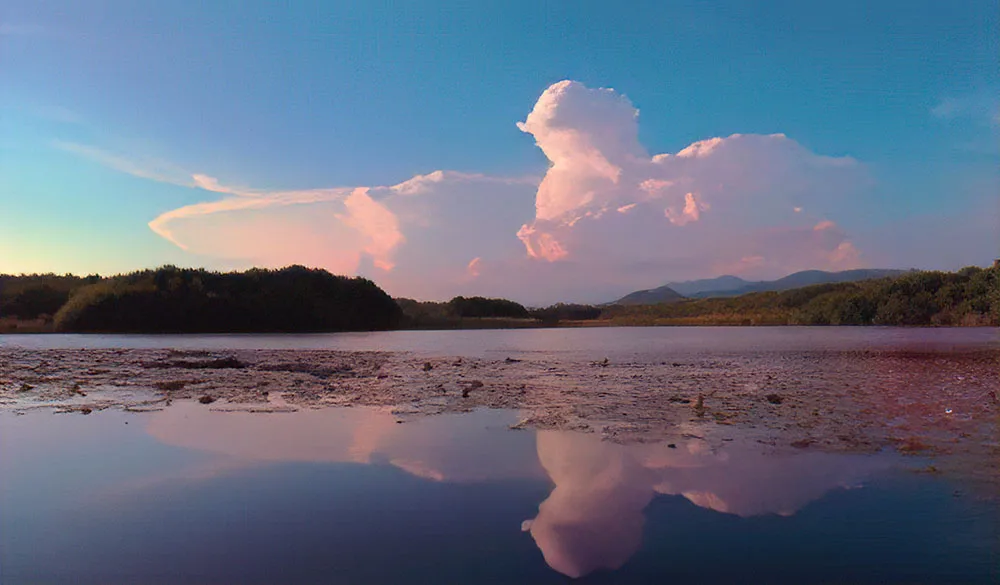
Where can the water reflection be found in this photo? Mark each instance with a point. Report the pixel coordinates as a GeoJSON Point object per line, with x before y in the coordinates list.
{"type": "Point", "coordinates": [593, 519]}
{"type": "Point", "coordinates": [452, 447]}
{"type": "Point", "coordinates": [594, 516]}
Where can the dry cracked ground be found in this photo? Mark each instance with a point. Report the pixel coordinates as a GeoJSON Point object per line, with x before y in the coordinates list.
{"type": "Point", "coordinates": [943, 405]}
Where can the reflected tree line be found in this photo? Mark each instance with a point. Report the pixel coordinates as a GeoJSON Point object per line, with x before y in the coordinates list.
{"type": "Point", "coordinates": [299, 299]}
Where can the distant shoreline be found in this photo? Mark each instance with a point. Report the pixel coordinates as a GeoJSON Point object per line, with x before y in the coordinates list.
{"type": "Point", "coordinates": [15, 327]}
{"type": "Point", "coordinates": [303, 300]}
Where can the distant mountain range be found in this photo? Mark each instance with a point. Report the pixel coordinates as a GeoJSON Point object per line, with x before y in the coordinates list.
{"type": "Point", "coordinates": [731, 286]}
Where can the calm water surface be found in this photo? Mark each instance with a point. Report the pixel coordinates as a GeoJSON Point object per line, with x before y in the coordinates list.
{"type": "Point", "coordinates": [192, 495]}
{"type": "Point", "coordinates": [188, 495]}
{"type": "Point", "coordinates": [639, 343]}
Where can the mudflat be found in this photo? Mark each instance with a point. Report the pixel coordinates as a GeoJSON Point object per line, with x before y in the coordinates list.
{"type": "Point", "coordinates": [940, 403]}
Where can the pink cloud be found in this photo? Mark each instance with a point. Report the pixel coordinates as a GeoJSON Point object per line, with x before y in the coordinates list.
{"type": "Point", "coordinates": [474, 268]}
{"type": "Point", "coordinates": [691, 212]}
{"type": "Point", "coordinates": [379, 226]}
{"type": "Point", "coordinates": [212, 184]}
{"type": "Point", "coordinates": [606, 218]}
{"type": "Point", "coordinates": [418, 234]}
{"type": "Point", "coordinates": [720, 199]}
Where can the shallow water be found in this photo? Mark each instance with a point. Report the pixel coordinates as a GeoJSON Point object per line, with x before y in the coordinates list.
{"type": "Point", "coordinates": [188, 494]}
{"type": "Point", "coordinates": [634, 343]}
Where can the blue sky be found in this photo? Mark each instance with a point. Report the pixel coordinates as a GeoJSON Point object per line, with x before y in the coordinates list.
{"type": "Point", "coordinates": [273, 98]}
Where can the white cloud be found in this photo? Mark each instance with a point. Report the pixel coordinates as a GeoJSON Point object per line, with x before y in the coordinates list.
{"type": "Point", "coordinates": [718, 200]}
{"type": "Point", "coordinates": [606, 218]}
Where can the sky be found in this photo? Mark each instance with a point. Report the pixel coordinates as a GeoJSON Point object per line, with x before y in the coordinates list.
{"type": "Point", "coordinates": [540, 151]}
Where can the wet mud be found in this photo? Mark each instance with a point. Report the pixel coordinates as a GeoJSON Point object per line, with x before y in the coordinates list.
{"type": "Point", "coordinates": [935, 404]}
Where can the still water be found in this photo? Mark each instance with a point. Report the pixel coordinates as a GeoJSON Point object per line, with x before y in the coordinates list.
{"type": "Point", "coordinates": [635, 343]}
{"type": "Point", "coordinates": [192, 495]}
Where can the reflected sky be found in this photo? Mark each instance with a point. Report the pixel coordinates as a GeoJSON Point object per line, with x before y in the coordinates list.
{"type": "Point", "coordinates": [440, 497]}
{"type": "Point", "coordinates": [451, 447]}
{"type": "Point", "coordinates": [593, 518]}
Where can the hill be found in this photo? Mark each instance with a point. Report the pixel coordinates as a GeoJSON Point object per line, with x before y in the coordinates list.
{"type": "Point", "coordinates": [174, 300]}
{"type": "Point", "coordinates": [653, 296]}
{"type": "Point", "coordinates": [732, 286]}
{"type": "Point", "coordinates": [690, 288]}
{"type": "Point", "coordinates": [970, 296]}
{"type": "Point", "coordinates": [801, 279]}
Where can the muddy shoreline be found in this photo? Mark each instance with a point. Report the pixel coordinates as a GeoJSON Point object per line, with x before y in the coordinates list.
{"type": "Point", "coordinates": [934, 403]}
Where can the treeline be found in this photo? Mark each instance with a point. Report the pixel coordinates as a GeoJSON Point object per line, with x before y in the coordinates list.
{"type": "Point", "coordinates": [970, 296]}
{"type": "Point", "coordinates": [464, 312]}
{"type": "Point", "coordinates": [38, 296]}
{"type": "Point", "coordinates": [566, 312]}
{"type": "Point", "coordinates": [298, 299]}
{"type": "Point", "coordinates": [174, 300]}
{"type": "Point", "coordinates": [481, 312]}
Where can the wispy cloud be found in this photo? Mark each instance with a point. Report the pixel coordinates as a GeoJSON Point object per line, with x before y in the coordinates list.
{"type": "Point", "coordinates": [982, 107]}
{"type": "Point", "coordinates": [161, 224]}
{"type": "Point", "coordinates": [155, 170]}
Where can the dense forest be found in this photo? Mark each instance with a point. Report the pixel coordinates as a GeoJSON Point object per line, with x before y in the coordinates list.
{"type": "Point", "coordinates": [970, 296]}
{"type": "Point", "coordinates": [300, 299]}
{"type": "Point", "coordinates": [174, 300]}
{"type": "Point", "coordinates": [36, 295]}
{"type": "Point", "coordinates": [464, 312]}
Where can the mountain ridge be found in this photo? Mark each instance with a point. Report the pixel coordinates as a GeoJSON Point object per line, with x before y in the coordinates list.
{"type": "Point", "coordinates": [731, 286]}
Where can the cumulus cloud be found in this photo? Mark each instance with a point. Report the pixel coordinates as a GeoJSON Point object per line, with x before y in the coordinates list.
{"type": "Point", "coordinates": [717, 200]}
{"type": "Point", "coordinates": [606, 218]}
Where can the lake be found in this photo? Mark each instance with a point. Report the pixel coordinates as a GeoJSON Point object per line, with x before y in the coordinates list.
{"type": "Point", "coordinates": [649, 343]}
{"type": "Point", "coordinates": [182, 492]}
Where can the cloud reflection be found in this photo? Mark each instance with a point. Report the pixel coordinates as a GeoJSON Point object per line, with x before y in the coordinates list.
{"type": "Point", "coordinates": [593, 518]}
{"type": "Point", "coordinates": [452, 447]}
